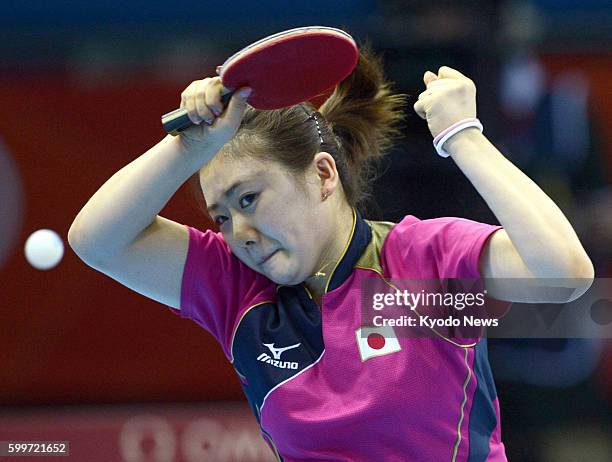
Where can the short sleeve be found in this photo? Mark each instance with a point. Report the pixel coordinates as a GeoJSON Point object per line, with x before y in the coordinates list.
{"type": "Point", "coordinates": [437, 248]}
{"type": "Point", "coordinates": [216, 286]}
{"type": "Point", "coordinates": [446, 249]}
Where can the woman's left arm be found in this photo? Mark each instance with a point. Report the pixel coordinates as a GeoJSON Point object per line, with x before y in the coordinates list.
{"type": "Point", "coordinates": [537, 242]}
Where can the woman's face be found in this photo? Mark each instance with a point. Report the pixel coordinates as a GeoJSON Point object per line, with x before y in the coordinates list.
{"type": "Point", "coordinates": [275, 226]}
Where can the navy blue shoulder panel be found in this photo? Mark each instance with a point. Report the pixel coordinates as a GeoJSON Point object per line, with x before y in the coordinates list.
{"type": "Point", "coordinates": [275, 341]}
{"type": "Point", "coordinates": [483, 417]}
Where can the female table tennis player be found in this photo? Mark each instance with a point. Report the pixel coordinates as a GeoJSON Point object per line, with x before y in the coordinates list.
{"type": "Point", "coordinates": [279, 285]}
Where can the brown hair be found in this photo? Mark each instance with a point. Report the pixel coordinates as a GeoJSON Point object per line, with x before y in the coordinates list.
{"type": "Point", "coordinates": [356, 125]}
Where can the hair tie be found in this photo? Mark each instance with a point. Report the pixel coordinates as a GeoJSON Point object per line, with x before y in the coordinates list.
{"type": "Point", "coordinates": [443, 136]}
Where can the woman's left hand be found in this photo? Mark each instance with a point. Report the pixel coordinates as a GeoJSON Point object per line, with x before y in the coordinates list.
{"type": "Point", "coordinates": [450, 97]}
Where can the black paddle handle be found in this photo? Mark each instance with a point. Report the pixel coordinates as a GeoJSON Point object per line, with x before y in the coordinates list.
{"type": "Point", "coordinates": [176, 121]}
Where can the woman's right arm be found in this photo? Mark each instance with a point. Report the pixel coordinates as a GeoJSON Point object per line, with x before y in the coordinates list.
{"type": "Point", "coordinates": [131, 199]}
{"type": "Point", "coordinates": [119, 232]}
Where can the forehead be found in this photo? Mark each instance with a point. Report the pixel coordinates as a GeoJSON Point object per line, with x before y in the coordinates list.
{"type": "Point", "coordinates": [223, 171]}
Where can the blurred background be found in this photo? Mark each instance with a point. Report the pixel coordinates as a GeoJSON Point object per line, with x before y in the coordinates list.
{"type": "Point", "coordinates": [82, 89]}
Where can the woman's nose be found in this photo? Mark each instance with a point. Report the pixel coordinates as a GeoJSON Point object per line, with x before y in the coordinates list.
{"type": "Point", "coordinates": [244, 233]}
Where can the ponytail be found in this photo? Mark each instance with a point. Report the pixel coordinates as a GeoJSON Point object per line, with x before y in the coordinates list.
{"type": "Point", "coordinates": [366, 118]}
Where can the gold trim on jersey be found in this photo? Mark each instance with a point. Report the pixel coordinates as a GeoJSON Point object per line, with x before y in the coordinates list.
{"type": "Point", "coordinates": [238, 325]}
{"type": "Point", "coordinates": [465, 384]}
{"type": "Point", "coordinates": [268, 437]}
{"type": "Point", "coordinates": [370, 259]}
{"type": "Point", "coordinates": [348, 243]}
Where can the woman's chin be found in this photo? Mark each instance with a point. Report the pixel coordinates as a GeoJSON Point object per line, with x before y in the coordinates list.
{"type": "Point", "coordinates": [276, 270]}
{"type": "Point", "coordinates": [282, 278]}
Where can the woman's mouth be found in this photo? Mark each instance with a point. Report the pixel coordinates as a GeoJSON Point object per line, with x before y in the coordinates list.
{"type": "Point", "coordinates": [261, 262]}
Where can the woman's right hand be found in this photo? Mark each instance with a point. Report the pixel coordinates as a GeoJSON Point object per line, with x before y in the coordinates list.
{"type": "Point", "coordinates": [215, 124]}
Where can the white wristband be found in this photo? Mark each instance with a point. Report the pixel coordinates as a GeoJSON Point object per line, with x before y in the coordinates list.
{"type": "Point", "coordinates": [443, 137]}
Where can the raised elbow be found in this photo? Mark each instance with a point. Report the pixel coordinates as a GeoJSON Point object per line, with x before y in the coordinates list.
{"type": "Point", "coordinates": [583, 274]}
{"type": "Point", "coordinates": [74, 238]}
{"type": "Point", "coordinates": [78, 242]}
{"type": "Point", "coordinates": [583, 268]}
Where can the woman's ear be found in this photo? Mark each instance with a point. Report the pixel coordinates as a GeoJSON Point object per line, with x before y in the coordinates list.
{"type": "Point", "coordinates": [326, 170]}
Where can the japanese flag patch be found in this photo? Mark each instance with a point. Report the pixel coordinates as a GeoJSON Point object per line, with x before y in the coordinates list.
{"type": "Point", "coordinates": [376, 341]}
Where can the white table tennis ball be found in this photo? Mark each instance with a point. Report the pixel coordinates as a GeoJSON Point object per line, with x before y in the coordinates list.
{"type": "Point", "coordinates": [44, 249]}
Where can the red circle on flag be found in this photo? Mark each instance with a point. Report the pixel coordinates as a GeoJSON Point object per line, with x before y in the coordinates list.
{"type": "Point", "coordinates": [376, 341]}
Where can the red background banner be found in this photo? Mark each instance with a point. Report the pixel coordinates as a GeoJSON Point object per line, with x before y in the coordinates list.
{"type": "Point", "coordinates": [71, 334]}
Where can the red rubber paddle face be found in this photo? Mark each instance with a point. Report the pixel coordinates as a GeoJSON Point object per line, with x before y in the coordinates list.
{"type": "Point", "coordinates": [291, 67]}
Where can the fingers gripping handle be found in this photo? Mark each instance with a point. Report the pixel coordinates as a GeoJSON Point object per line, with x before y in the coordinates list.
{"type": "Point", "coordinates": [178, 120]}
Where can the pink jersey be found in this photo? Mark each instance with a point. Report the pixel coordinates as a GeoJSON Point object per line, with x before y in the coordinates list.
{"type": "Point", "coordinates": [309, 386]}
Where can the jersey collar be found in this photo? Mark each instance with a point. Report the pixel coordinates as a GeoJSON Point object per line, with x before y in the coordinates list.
{"type": "Point", "coordinates": [361, 234]}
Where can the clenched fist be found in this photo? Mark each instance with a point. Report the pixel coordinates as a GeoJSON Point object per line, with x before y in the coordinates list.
{"type": "Point", "coordinates": [450, 97]}
{"type": "Point", "coordinates": [215, 124]}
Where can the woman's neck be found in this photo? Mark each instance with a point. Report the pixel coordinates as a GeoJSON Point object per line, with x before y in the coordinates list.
{"type": "Point", "coordinates": [317, 282]}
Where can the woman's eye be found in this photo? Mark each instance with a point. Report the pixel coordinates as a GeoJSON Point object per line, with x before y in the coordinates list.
{"type": "Point", "coordinates": [220, 220]}
{"type": "Point", "coordinates": [247, 200]}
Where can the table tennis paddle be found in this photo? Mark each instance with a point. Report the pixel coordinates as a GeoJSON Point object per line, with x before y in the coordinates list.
{"type": "Point", "coordinates": [283, 69]}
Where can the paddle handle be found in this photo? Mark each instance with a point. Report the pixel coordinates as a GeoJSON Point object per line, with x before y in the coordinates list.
{"type": "Point", "coordinates": [176, 121]}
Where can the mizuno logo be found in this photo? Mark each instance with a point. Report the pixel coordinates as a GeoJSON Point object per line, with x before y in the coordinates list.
{"type": "Point", "coordinates": [276, 352]}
